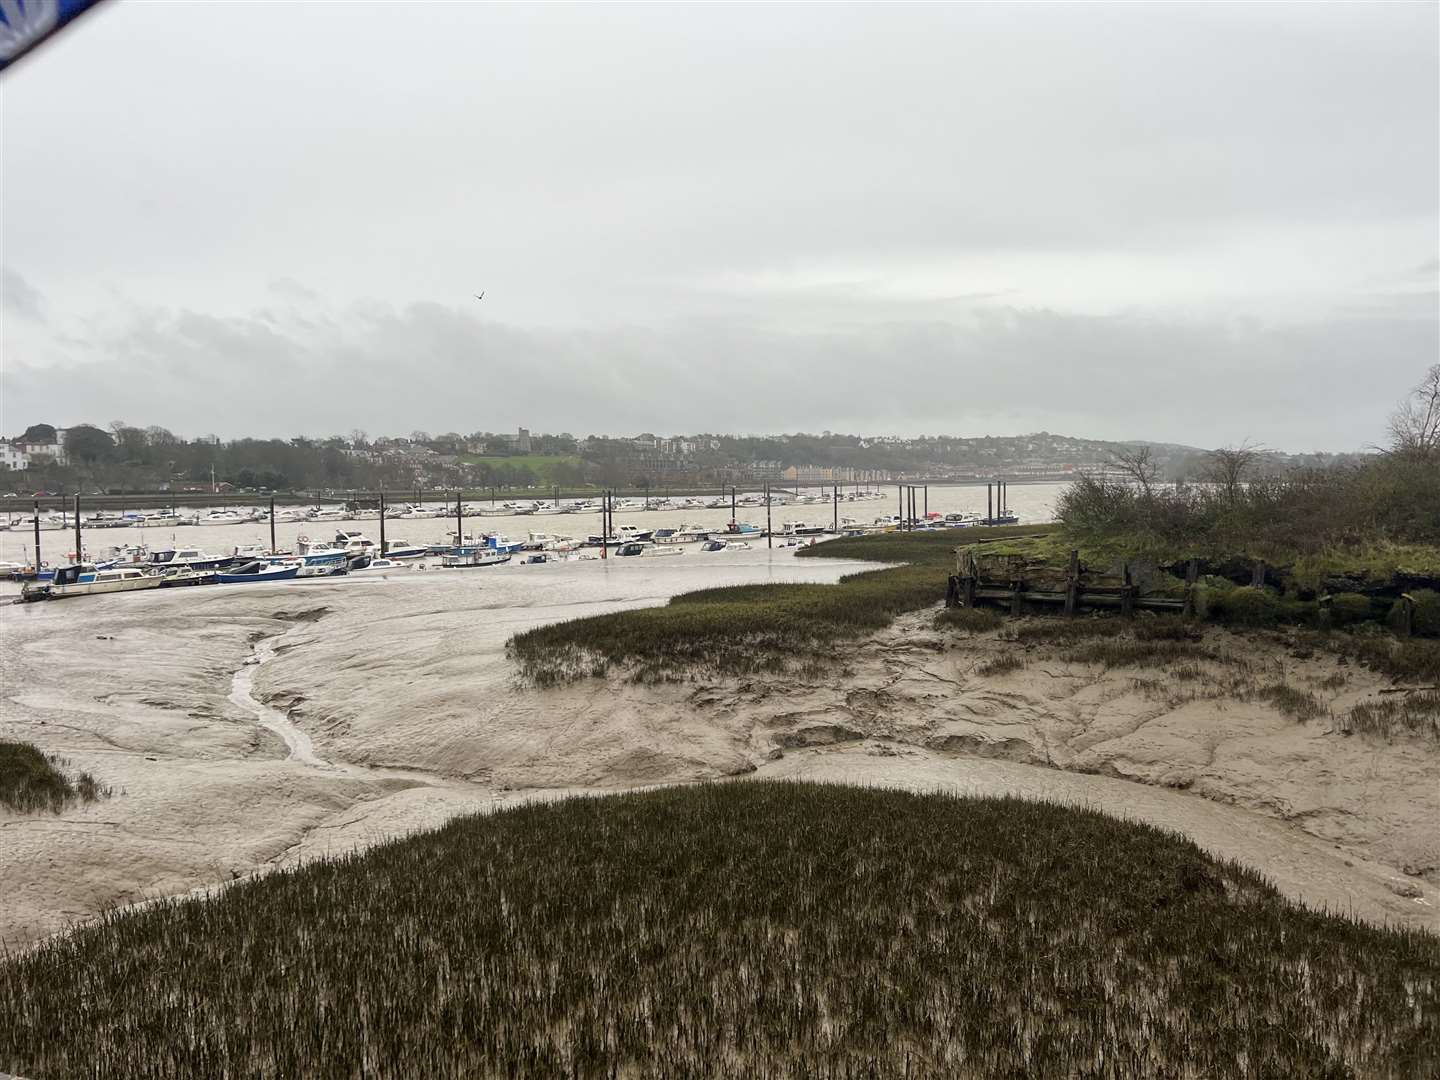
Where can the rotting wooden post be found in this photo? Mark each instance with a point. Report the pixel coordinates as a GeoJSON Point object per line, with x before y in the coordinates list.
{"type": "Point", "coordinates": [1016, 604]}
{"type": "Point", "coordinates": [1257, 574]}
{"type": "Point", "coordinates": [1407, 615]}
{"type": "Point", "coordinates": [1323, 612]}
{"type": "Point", "coordinates": [1192, 575]}
{"type": "Point", "coordinates": [972, 573]}
{"type": "Point", "coordinates": [952, 591]}
{"type": "Point", "coordinates": [1072, 584]}
{"type": "Point", "coordinates": [1127, 595]}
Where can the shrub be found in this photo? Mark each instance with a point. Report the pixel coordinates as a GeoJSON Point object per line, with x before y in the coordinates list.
{"type": "Point", "coordinates": [1247, 606]}
{"type": "Point", "coordinates": [1348, 608]}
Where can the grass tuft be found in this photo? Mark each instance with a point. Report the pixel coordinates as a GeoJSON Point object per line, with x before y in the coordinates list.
{"type": "Point", "coordinates": [31, 781]}
{"type": "Point", "coordinates": [1402, 714]}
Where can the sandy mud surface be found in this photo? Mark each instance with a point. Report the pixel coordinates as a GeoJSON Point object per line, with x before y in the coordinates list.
{"type": "Point", "coordinates": [250, 727]}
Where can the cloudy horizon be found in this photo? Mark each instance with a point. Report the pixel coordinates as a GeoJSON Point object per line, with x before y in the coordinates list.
{"type": "Point", "coordinates": [1180, 223]}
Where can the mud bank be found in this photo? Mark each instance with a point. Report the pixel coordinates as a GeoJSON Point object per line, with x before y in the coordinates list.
{"type": "Point", "coordinates": [406, 712]}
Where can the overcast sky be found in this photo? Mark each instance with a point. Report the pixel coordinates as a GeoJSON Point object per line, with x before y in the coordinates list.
{"type": "Point", "coordinates": [1181, 223]}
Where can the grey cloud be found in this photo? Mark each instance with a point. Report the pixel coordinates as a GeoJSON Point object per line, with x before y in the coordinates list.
{"type": "Point", "coordinates": [428, 365]}
{"type": "Point", "coordinates": [20, 296]}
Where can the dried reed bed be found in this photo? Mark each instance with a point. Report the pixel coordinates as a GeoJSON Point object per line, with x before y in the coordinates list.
{"type": "Point", "coordinates": [745, 930]}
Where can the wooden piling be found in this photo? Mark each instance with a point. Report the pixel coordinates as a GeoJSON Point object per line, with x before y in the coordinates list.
{"type": "Point", "coordinates": [1072, 584]}
{"type": "Point", "coordinates": [769, 537]}
{"type": "Point", "coordinates": [1016, 604]}
{"type": "Point", "coordinates": [1127, 595]}
{"type": "Point", "coordinates": [459, 524]}
{"type": "Point", "coordinates": [79, 551]}
{"type": "Point", "coordinates": [37, 537]}
{"type": "Point", "coordinates": [1257, 574]}
{"type": "Point", "coordinates": [989, 506]}
{"type": "Point", "coordinates": [272, 524]}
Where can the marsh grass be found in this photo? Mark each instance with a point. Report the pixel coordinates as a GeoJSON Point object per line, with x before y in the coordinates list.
{"type": "Point", "coordinates": [739, 930]}
{"type": "Point", "coordinates": [31, 781]}
{"type": "Point", "coordinates": [749, 629]}
{"type": "Point", "coordinates": [971, 620]}
{"type": "Point", "coordinates": [1003, 664]}
{"type": "Point", "coordinates": [1126, 652]}
{"type": "Point", "coordinates": [1415, 714]}
{"type": "Point", "coordinates": [1293, 702]}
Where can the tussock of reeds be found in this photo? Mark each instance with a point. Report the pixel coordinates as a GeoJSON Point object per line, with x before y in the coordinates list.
{"type": "Point", "coordinates": [971, 620]}
{"type": "Point", "coordinates": [1402, 714]}
{"type": "Point", "coordinates": [32, 781]}
{"type": "Point", "coordinates": [739, 930]}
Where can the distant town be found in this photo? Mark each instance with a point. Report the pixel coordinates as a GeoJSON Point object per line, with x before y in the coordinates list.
{"type": "Point", "coordinates": [124, 458]}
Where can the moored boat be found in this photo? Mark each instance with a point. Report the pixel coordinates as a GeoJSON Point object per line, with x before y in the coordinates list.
{"type": "Point", "coordinates": [79, 579]}
{"type": "Point", "coordinates": [260, 570]}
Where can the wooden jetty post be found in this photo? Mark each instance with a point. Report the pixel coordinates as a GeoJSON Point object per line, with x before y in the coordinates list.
{"type": "Point", "coordinates": [79, 551]}
{"type": "Point", "coordinates": [989, 505]}
{"type": "Point", "coordinates": [927, 502]}
{"type": "Point", "coordinates": [835, 509]}
{"type": "Point", "coordinates": [272, 524]}
{"type": "Point", "coordinates": [900, 495]}
{"type": "Point", "coordinates": [1072, 584]}
{"type": "Point", "coordinates": [459, 524]}
{"type": "Point", "coordinates": [1192, 575]}
{"type": "Point", "coordinates": [37, 538]}
{"type": "Point", "coordinates": [382, 526]}
{"type": "Point", "coordinates": [733, 509]}
{"type": "Point", "coordinates": [769, 536]}
{"type": "Point", "coordinates": [1127, 595]}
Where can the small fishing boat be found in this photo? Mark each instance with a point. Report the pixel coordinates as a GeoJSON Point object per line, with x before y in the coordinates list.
{"type": "Point", "coordinates": [466, 558]}
{"type": "Point", "coordinates": [367, 563]}
{"type": "Point", "coordinates": [258, 571]}
{"type": "Point", "coordinates": [79, 579]}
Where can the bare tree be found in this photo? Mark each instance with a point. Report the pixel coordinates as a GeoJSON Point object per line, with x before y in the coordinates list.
{"type": "Point", "coordinates": [1138, 463]}
{"type": "Point", "coordinates": [1228, 465]}
{"type": "Point", "coordinates": [1415, 423]}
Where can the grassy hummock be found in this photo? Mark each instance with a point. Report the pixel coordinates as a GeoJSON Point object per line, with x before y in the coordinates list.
{"type": "Point", "coordinates": [750, 628]}
{"type": "Point", "coordinates": [742, 929]}
{"type": "Point", "coordinates": [31, 781]}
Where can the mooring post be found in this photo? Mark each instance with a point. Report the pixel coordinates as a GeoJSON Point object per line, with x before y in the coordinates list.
{"type": "Point", "coordinates": [769, 536]}
{"type": "Point", "coordinates": [79, 552]}
{"type": "Point", "coordinates": [382, 527]}
{"type": "Point", "coordinates": [1072, 584]}
{"type": "Point", "coordinates": [989, 505]}
{"type": "Point", "coordinates": [835, 500]}
{"type": "Point", "coordinates": [927, 502]}
{"type": "Point", "coordinates": [1127, 595]}
{"type": "Point", "coordinates": [900, 510]}
{"type": "Point", "coordinates": [968, 584]}
{"type": "Point", "coordinates": [272, 525]}
{"type": "Point", "coordinates": [459, 524]}
{"type": "Point", "coordinates": [37, 539]}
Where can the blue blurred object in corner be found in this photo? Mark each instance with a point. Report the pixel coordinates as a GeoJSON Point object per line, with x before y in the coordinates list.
{"type": "Point", "coordinates": [26, 23]}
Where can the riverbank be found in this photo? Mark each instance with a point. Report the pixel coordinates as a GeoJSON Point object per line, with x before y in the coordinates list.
{"type": "Point", "coordinates": [412, 714]}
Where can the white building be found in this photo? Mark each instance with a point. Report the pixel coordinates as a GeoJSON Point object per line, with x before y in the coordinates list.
{"type": "Point", "coordinates": [12, 457]}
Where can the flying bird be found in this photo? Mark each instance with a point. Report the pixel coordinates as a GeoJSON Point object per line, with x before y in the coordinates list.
{"type": "Point", "coordinates": [480, 295]}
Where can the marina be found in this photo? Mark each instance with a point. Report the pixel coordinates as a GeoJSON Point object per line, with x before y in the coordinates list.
{"type": "Point", "coordinates": [219, 545]}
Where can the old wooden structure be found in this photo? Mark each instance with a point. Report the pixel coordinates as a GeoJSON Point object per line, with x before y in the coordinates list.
{"type": "Point", "coordinates": [1013, 582]}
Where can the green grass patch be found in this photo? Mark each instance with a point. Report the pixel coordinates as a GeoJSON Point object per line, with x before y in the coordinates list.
{"type": "Point", "coordinates": [31, 781]}
{"type": "Point", "coordinates": [745, 930]}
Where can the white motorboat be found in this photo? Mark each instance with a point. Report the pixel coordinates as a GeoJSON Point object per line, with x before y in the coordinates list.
{"type": "Point", "coordinates": [80, 579]}
{"type": "Point", "coordinates": [471, 557]}
{"type": "Point", "coordinates": [399, 549]}
{"type": "Point", "coordinates": [366, 564]}
{"type": "Point", "coordinates": [193, 558]}
{"type": "Point", "coordinates": [354, 542]}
